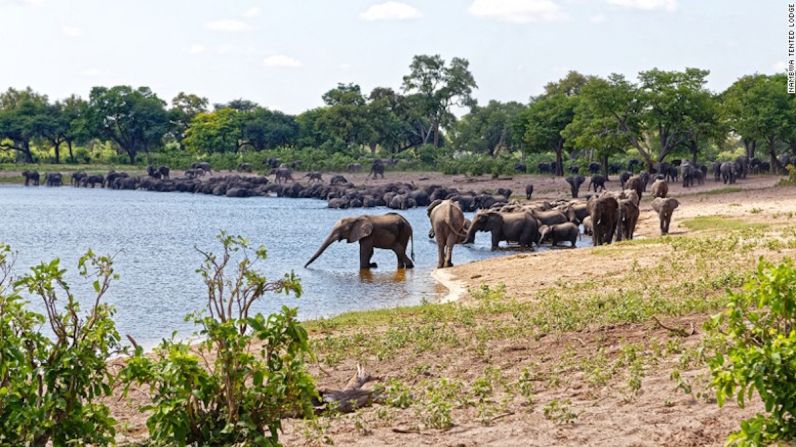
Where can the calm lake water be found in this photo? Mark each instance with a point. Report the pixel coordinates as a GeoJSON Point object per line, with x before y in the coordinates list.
{"type": "Point", "coordinates": [153, 235]}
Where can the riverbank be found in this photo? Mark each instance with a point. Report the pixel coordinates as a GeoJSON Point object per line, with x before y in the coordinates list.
{"type": "Point", "coordinates": [555, 348]}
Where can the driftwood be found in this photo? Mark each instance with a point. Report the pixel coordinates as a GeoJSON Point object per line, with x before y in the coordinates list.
{"type": "Point", "coordinates": [351, 397]}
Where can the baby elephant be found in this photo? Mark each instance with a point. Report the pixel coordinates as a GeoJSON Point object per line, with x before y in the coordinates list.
{"type": "Point", "coordinates": [660, 188]}
{"type": "Point", "coordinates": [665, 208]}
{"type": "Point", "coordinates": [559, 233]}
{"type": "Point", "coordinates": [528, 191]}
{"type": "Point", "coordinates": [588, 230]}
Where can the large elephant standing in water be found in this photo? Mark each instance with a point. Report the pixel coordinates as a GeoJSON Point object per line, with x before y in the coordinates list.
{"type": "Point", "coordinates": [448, 227]}
{"type": "Point", "coordinates": [389, 231]}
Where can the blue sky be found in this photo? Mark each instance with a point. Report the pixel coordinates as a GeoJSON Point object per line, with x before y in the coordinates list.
{"type": "Point", "coordinates": [286, 54]}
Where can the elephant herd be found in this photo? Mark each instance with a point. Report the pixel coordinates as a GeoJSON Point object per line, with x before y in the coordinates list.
{"type": "Point", "coordinates": [608, 216]}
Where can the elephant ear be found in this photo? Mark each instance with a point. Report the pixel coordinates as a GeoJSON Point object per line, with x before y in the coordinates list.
{"type": "Point", "coordinates": [675, 203]}
{"type": "Point", "coordinates": [359, 230]}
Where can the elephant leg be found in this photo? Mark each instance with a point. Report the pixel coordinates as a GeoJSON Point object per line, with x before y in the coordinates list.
{"type": "Point", "coordinates": [365, 253]}
{"type": "Point", "coordinates": [449, 243]}
{"type": "Point", "coordinates": [495, 240]}
{"type": "Point", "coordinates": [442, 256]}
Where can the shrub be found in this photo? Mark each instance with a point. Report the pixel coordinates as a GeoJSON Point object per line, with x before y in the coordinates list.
{"type": "Point", "coordinates": [759, 329]}
{"type": "Point", "coordinates": [50, 387]}
{"type": "Point", "coordinates": [248, 374]}
{"type": "Point", "coordinates": [790, 180]}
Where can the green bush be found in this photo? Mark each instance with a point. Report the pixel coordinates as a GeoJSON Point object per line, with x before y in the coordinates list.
{"type": "Point", "coordinates": [759, 331]}
{"type": "Point", "coordinates": [249, 373]}
{"type": "Point", "coordinates": [50, 388]}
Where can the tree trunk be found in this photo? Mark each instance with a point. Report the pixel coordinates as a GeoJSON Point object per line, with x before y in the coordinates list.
{"type": "Point", "coordinates": [604, 162]}
{"type": "Point", "coordinates": [26, 152]}
{"type": "Point", "coordinates": [749, 146]}
{"type": "Point", "coordinates": [776, 166]}
{"type": "Point", "coordinates": [436, 133]}
{"type": "Point", "coordinates": [559, 160]}
{"type": "Point", "coordinates": [69, 146]}
{"type": "Point", "coordinates": [694, 151]}
{"type": "Point", "coordinates": [57, 147]}
{"type": "Point", "coordinates": [131, 154]}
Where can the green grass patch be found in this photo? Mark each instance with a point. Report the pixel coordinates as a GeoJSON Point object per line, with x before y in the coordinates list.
{"type": "Point", "coordinates": [707, 223]}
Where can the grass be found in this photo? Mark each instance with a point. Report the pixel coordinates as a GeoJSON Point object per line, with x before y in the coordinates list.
{"type": "Point", "coordinates": [688, 277]}
{"type": "Point", "coordinates": [704, 223]}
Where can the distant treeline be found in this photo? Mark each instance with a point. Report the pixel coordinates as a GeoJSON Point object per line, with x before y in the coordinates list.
{"type": "Point", "coordinates": [578, 118]}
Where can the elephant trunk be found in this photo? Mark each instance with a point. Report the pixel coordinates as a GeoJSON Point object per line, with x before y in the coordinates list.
{"type": "Point", "coordinates": [326, 243]}
{"type": "Point", "coordinates": [469, 236]}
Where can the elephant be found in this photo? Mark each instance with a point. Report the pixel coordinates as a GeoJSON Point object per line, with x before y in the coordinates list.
{"type": "Point", "coordinates": [574, 169]}
{"type": "Point", "coordinates": [633, 164]}
{"type": "Point", "coordinates": [202, 166]}
{"type": "Point", "coordinates": [716, 168]}
{"type": "Point", "coordinates": [742, 162]}
{"type": "Point", "coordinates": [505, 192]}
{"type": "Point", "coordinates": [354, 167]}
{"type": "Point", "coordinates": [550, 217]}
{"type": "Point", "coordinates": [728, 172]}
{"type": "Point", "coordinates": [314, 177]}
{"type": "Point", "coordinates": [448, 228]}
{"type": "Point", "coordinates": [192, 173]}
{"type": "Point", "coordinates": [604, 212]}
{"type": "Point", "coordinates": [272, 162]}
{"type": "Point", "coordinates": [92, 180]}
{"type": "Point", "coordinates": [567, 231]}
{"type": "Point", "coordinates": [688, 172]}
{"type": "Point", "coordinates": [31, 177]}
{"type": "Point", "coordinates": [528, 191]}
{"type": "Point", "coordinates": [53, 179]}
{"type": "Point", "coordinates": [161, 172]}
{"type": "Point", "coordinates": [244, 167]}
{"type": "Point", "coordinates": [388, 231]}
{"type": "Point", "coordinates": [520, 167]}
{"type": "Point", "coordinates": [520, 227]}
{"type": "Point", "coordinates": [282, 174]}
{"type": "Point", "coordinates": [628, 217]}
{"type": "Point", "coordinates": [338, 180]}
{"type": "Point", "coordinates": [577, 212]}
{"type": "Point", "coordinates": [574, 184]}
{"type": "Point", "coordinates": [665, 208]}
{"type": "Point", "coordinates": [630, 194]}
{"type": "Point", "coordinates": [587, 226]}
{"type": "Point", "coordinates": [77, 177]}
{"type": "Point", "coordinates": [636, 183]}
{"type": "Point", "coordinates": [660, 188]}
{"type": "Point", "coordinates": [594, 168]}
{"type": "Point", "coordinates": [623, 178]}
{"type": "Point", "coordinates": [376, 169]}
{"type": "Point", "coordinates": [597, 181]}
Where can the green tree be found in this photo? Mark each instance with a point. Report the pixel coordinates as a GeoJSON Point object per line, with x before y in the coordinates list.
{"type": "Point", "coordinates": [184, 107]}
{"type": "Point", "coordinates": [135, 119]}
{"type": "Point", "coordinates": [74, 112]}
{"type": "Point", "coordinates": [489, 129]}
{"type": "Point", "coordinates": [440, 87]}
{"type": "Point", "coordinates": [21, 119]}
{"type": "Point", "coordinates": [344, 120]}
{"type": "Point", "coordinates": [217, 131]}
{"type": "Point", "coordinates": [266, 129]}
{"type": "Point", "coordinates": [735, 111]}
{"type": "Point", "coordinates": [763, 111]}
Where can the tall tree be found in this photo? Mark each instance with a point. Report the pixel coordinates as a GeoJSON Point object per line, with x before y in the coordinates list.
{"type": "Point", "coordinates": [543, 122]}
{"type": "Point", "coordinates": [489, 129]}
{"type": "Point", "coordinates": [265, 129]}
{"type": "Point", "coordinates": [441, 87]}
{"type": "Point", "coordinates": [217, 131]}
{"type": "Point", "coordinates": [21, 113]}
{"type": "Point", "coordinates": [345, 119]}
{"type": "Point", "coordinates": [769, 113]}
{"type": "Point", "coordinates": [74, 111]}
{"type": "Point", "coordinates": [135, 119]}
{"type": "Point", "coordinates": [184, 107]}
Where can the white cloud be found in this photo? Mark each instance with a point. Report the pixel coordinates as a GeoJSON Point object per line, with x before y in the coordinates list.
{"type": "Point", "coordinates": [94, 72]}
{"type": "Point", "coordinates": [281, 61]}
{"type": "Point", "coordinates": [780, 67]}
{"type": "Point", "coordinates": [597, 18]}
{"type": "Point", "coordinates": [517, 11]}
{"type": "Point", "coordinates": [71, 31]}
{"type": "Point", "coordinates": [228, 25]}
{"type": "Point", "coordinates": [390, 11]}
{"type": "Point", "coordinates": [196, 49]}
{"type": "Point", "coordinates": [646, 5]}
{"type": "Point", "coordinates": [254, 11]}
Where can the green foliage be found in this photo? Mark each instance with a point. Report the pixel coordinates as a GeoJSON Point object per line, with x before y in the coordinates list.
{"type": "Point", "coordinates": [790, 180]}
{"type": "Point", "coordinates": [246, 375]}
{"type": "Point", "coordinates": [760, 354]}
{"type": "Point", "coordinates": [559, 411]}
{"type": "Point", "coordinates": [50, 388]}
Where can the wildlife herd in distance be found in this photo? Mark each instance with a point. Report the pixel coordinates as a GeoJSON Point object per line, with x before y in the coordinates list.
{"type": "Point", "coordinates": [603, 215]}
